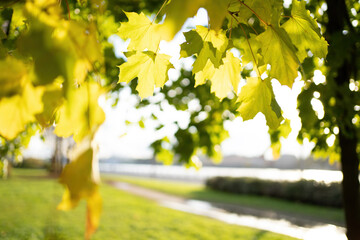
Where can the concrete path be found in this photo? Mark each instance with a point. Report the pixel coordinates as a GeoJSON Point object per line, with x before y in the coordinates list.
{"type": "Point", "coordinates": [265, 220]}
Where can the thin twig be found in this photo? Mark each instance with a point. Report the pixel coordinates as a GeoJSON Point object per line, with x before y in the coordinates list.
{"type": "Point", "coordinates": [253, 29]}
{"type": "Point", "coordinates": [241, 2]}
{"type": "Point", "coordinates": [68, 9]}
{"type": "Point", "coordinates": [231, 23]}
{"type": "Point", "coordinates": [9, 4]}
{"type": "Point", "coordinates": [163, 5]}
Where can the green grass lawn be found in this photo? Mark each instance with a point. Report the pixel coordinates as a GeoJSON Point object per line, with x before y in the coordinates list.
{"type": "Point", "coordinates": [27, 212]}
{"type": "Point", "coordinates": [200, 192]}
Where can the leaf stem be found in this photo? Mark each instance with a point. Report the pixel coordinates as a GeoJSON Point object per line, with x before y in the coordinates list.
{"type": "Point", "coordinates": [257, 15]}
{"type": "Point", "coordinates": [68, 9]}
{"type": "Point", "coordinates": [9, 4]}
{"type": "Point", "coordinates": [231, 24]}
{"type": "Point", "coordinates": [253, 29]}
{"type": "Point", "coordinates": [162, 6]}
{"type": "Point", "coordinates": [247, 40]}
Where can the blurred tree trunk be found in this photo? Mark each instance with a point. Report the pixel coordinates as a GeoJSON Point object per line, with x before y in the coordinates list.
{"type": "Point", "coordinates": [339, 19]}
{"type": "Point", "coordinates": [56, 160]}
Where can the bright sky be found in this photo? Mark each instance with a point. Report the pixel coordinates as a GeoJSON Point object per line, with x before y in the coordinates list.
{"type": "Point", "coordinates": [248, 138]}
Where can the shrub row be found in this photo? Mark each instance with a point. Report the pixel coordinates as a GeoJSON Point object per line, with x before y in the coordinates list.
{"type": "Point", "coordinates": [305, 191]}
{"type": "Point", "coordinates": [32, 163]}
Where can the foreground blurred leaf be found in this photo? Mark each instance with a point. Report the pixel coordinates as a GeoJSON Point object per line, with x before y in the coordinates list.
{"type": "Point", "coordinates": [81, 114]}
{"type": "Point", "coordinates": [175, 17]}
{"type": "Point", "coordinates": [18, 110]}
{"type": "Point", "coordinates": [80, 178]}
{"type": "Point", "coordinates": [12, 77]}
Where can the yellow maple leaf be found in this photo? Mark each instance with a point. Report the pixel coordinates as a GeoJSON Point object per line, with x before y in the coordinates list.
{"type": "Point", "coordinates": [80, 178]}
{"type": "Point", "coordinates": [19, 109]}
{"type": "Point", "coordinates": [150, 68]}
{"type": "Point", "coordinates": [12, 77]}
{"type": "Point", "coordinates": [81, 114]}
{"type": "Point", "coordinates": [142, 32]}
{"type": "Point", "coordinates": [223, 79]}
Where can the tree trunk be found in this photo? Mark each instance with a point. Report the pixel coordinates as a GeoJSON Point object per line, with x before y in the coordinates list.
{"type": "Point", "coordinates": [338, 16]}
{"type": "Point", "coordinates": [56, 161]}
{"type": "Point", "coordinates": [350, 185]}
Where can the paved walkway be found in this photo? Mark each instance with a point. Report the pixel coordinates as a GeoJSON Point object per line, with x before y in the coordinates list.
{"type": "Point", "coordinates": [233, 214]}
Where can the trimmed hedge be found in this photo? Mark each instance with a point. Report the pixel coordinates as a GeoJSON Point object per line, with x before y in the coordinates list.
{"type": "Point", "coordinates": [33, 163]}
{"type": "Point", "coordinates": [304, 191]}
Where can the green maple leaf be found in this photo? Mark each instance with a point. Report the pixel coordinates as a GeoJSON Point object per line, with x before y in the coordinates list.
{"type": "Point", "coordinates": [304, 32]}
{"type": "Point", "coordinates": [241, 13]}
{"type": "Point", "coordinates": [143, 33]}
{"type": "Point", "coordinates": [269, 11]}
{"type": "Point", "coordinates": [193, 44]}
{"type": "Point", "coordinates": [249, 49]}
{"type": "Point", "coordinates": [257, 96]}
{"type": "Point", "coordinates": [278, 50]}
{"type": "Point", "coordinates": [150, 69]}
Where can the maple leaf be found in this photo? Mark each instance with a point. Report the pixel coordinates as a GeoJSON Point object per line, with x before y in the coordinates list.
{"type": "Point", "coordinates": [217, 10]}
{"type": "Point", "coordinates": [207, 44]}
{"type": "Point", "coordinates": [210, 46]}
{"type": "Point", "coordinates": [175, 18]}
{"type": "Point", "coordinates": [249, 49]}
{"type": "Point", "coordinates": [223, 79]}
{"type": "Point", "coordinates": [282, 131]}
{"type": "Point", "coordinates": [217, 38]}
{"type": "Point", "coordinates": [257, 96]}
{"type": "Point", "coordinates": [81, 114]}
{"type": "Point", "coordinates": [150, 68]}
{"type": "Point", "coordinates": [18, 110]}
{"type": "Point", "coordinates": [12, 77]}
{"type": "Point", "coordinates": [304, 32]}
{"type": "Point", "coordinates": [268, 11]}
{"type": "Point", "coordinates": [192, 45]}
{"type": "Point", "coordinates": [196, 38]}
{"type": "Point", "coordinates": [278, 50]}
{"type": "Point", "coordinates": [143, 33]}
{"type": "Point", "coordinates": [52, 99]}
{"type": "Point", "coordinates": [207, 53]}
{"type": "Point", "coordinates": [227, 76]}
{"type": "Point", "coordinates": [80, 179]}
